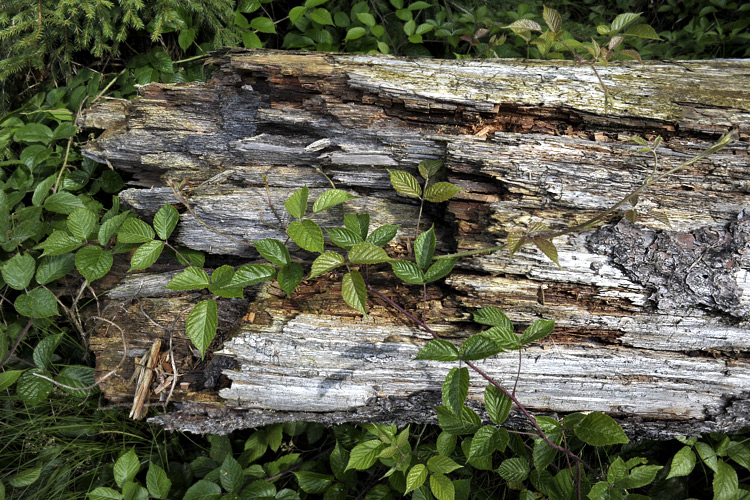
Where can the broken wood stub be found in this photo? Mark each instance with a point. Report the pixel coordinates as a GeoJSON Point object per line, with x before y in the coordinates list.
{"type": "Point", "coordinates": [652, 320]}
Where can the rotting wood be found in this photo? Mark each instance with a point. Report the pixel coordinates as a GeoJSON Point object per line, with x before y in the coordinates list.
{"type": "Point", "coordinates": [652, 321]}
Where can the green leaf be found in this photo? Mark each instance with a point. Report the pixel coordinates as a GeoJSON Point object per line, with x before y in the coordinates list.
{"type": "Point", "coordinates": [494, 317]}
{"type": "Point", "coordinates": [367, 253]}
{"type": "Point", "coordinates": [191, 278]}
{"type": "Point", "coordinates": [313, 482]}
{"type": "Point", "coordinates": [408, 271]}
{"type": "Point", "coordinates": [467, 423]}
{"type": "Point", "coordinates": [514, 469]}
{"type": "Point", "coordinates": [307, 235]}
{"type": "Point", "coordinates": [321, 16]}
{"type": "Point", "coordinates": [708, 455]}
{"type": "Point", "coordinates": [440, 464]}
{"type": "Point", "coordinates": [251, 41]}
{"type": "Point", "coordinates": [366, 18]}
{"type": "Point", "coordinates": [439, 269]}
{"type": "Point", "coordinates": [415, 478]}
{"type": "Point", "coordinates": [38, 303]}
{"type": "Point", "coordinates": [455, 389]}
{"type": "Point", "coordinates": [186, 38]}
{"type": "Point", "coordinates": [725, 483]}
{"type": "Point", "coordinates": [438, 350]}
{"type": "Point", "coordinates": [740, 453]}
{"type": "Point", "coordinates": [498, 404]}
{"type": "Point", "coordinates": [359, 224]}
{"type": "Point", "coordinates": [430, 168]}
{"type": "Point", "coordinates": [440, 192]}
{"type": "Point", "coordinates": [146, 255]}
{"type": "Point", "coordinates": [442, 487]}
{"type": "Point", "coordinates": [478, 347]}
{"type": "Point", "coordinates": [34, 132]}
{"type": "Point", "coordinates": [553, 19]}
{"type": "Point", "coordinates": [405, 183]}
{"type": "Point", "coordinates": [639, 477]}
{"type": "Point", "coordinates": [537, 330]}
{"type": "Point", "coordinates": [273, 251]}
{"type": "Point", "coordinates": [18, 271]}
{"type": "Point", "coordinates": [230, 475]}
{"type": "Point", "coordinates": [543, 454]}
{"type": "Point", "coordinates": [77, 376]}
{"type": "Point", "coordinates": [290, 276]}
{"type": "Point", "coordinates": [548, 249]}
{"type": "Point", "coordinates": [354, 291]}
{"type": "Point", "coordinates": [484, 441]}
{"type": "Point", "coordinates": [201, 325]}
{"type": "Point", "coordinates": [109, 227]}
{"type": "Point", "coordinates": [93, 262]}
{"type": "Point", "coordinates": [364, 455]}
{"type": "Point", "coordinates": [203, 490]}
{"type": "Point", "coordinates": [643, 31]}
{"type": "Point", "coordinates": [622, 21]}
{"type": "Point", "coordinates": [355, 33]}
{"type": "Point", "coordinates": [504, 339]}
{"type": "Point", "coordinates": [62, 203]}
{"type": "Point", "coordinates": [82, 222]}
{"type": "Point", "coordinates": [126, 467]}
{"type": "Point", "coordinates": [42, 190]}
{"type": "Point", "coordinates": [58, 243]}
{"type": "Point", "coordinates": [32, 389]}
{"type": "Point", "coordinates": [103, 493]}
{"type": "Point", "coordinates": [524, 25]}
{"type": "Point", "coordinates": [252, 274]}
{"type": "Point", "coordinates": [44, 350]}
{"type": "Point", "coordinates": [134, 231]}
{"type": "Point", "coordinates": [331, 198]}
{"type": "Point", "coordinates": [326, 262]}
{"type": "Point", "coordinates": [25, 478]}
{"type": "Point", "coordinates": [598, 429]}
{"type": "Point", "coordinates": [424, 248]}
{"type": "Point", "coordinates": [222, 276]}
{"type": "Point", "coordinates": [419, 5]}
{"type": "Point", "coordinates": [157, 482]}
{"type": "Point", "coordinates": [263, 24]}
{"type": "Point", "coordinates": [35, 155]}
{"type": "Point", "coordinates": [165, 221]}
{"type": "Point", "coordinates": [8, 378]}
{"type": "Point", "coordinates": [383, 235]}
{"type": "Point", "coordinates": [343, 237]}
{"type": "Point", "coordinates": [296, 204]}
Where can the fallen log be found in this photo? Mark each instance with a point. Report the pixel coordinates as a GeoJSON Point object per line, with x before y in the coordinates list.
{"type": "Point", "coordinates": [652, 319]}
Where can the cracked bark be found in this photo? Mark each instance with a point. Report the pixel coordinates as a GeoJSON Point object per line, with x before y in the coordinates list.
{"type": "Point", "coordinates": [652, 321]}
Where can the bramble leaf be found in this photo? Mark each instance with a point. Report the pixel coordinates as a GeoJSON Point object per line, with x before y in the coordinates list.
{"type": "Point", "coordinates": [455, 389]}
{"type": "Point", "coordinates": [438, 350]}
{"type": "Point", "coordinates": [537, 330]}
{"type": "Point", "coordinates": [93, 262]}
{"type": "Point", "coordinates": [358, 223]}
{"type": "Point", "coordinates": [548, 248]}
{"type": "Point", "coordinates": [50, 268]}
{"type": "Point", "coordinates": [307, 235]}
{"type": "Point", "coordinates": [222, 276]}
{"type": "Point", "coordinates": [405, 183]}
{"type": "Point", "coordinates": [408, 271]}
{"type": "Point", "coordinates": [290, 276]}
{"type": "Point", "coordinates": [201, 325]}
{"type": "Point", "coordinates": [514, 469]}
{"type": "Point", "coordinates": [190, 278]}
{"type": "Point", "coordinates": [415, 478]}
{"type": "Point", "coordinates": [343, 237]}
{"type": "Point", "coordinates": [553, 19]}
{"type": "Point", "coordinates": [440, 192]}
{"type": "Point", "coordinates": [81, 223]}
{"type": "Point", "coordinates": [296, 204]}
{"type": "Point", "coordinates": [494, 317]}
{"type": "Point", "coordinates": [165, 221]}
{"type": "Point", "coordinates": [326, 262]}
{"type": "Point", "coordinates": [331, 198]}
{"type": "Point", "coordinates": [424, 248]}
{"type": "Point", "coordinates": [364, 455]}
{"type": "Point", "coordinates": [439, 269]}
{"type": "Point", "coordinates": [478, 347]}
{"type": "Point", "coordinates": [273, 251]}
{"type": "Point", "coordinates": [32, 389]}
{"type": "Point", "coordinates": [252, 274]}
{"type": "Point", "coordinates": [18, 271]}
{"type": "Point", "coordinates": [599, 429]}
{"type": "Point", "coordinates": [134, 231]}
{"type": "Point", "coordinates": [146, 255]}
{"type": "Point", "coordinates": [157, 482]}
{"type": "Point", "coordinates": [497, 403]}
{"type": "Point", "coordinates": [367, 253]}
{"type": "Point", "coordinates": [38, 303]}
{"type": "Point", "coordinates": [430, 168]}
{"type": "Point", "coordinates": [623, 20]}
{"type": "Point", "coordinates": [382, 235]}
{"type": "Point", "coordinates": [354, 291]}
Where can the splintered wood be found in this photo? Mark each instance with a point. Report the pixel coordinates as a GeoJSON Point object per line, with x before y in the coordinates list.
{"type": "Point", "coordinates": [652, 319]}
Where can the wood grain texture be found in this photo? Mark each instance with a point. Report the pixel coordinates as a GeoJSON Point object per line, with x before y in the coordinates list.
{"type": "Point", "coordinates": [652, 321]}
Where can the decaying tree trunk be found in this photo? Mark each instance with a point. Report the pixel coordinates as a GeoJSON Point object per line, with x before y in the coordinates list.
{"type": "Point", "coordinates": [652, 321]}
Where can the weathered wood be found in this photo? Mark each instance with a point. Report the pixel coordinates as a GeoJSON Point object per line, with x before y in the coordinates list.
{"type": "Point", "coordinates": [652, 321]}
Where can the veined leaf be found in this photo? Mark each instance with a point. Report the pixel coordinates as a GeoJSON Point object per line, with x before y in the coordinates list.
{"type": "Point", "coordinates": [367, 253]}
{"type": "Point", "coordinates": [598, 429]}
{"type": "Point", "coordinates": [382, 235]}
{"type": "Point", "coordinates": [81, 223]}
{"type": "Point", "coordinates": [438, 350]}
{"type": "Point", "coordinates": [44, 350]}
{"type": "Point", "coordinates": [190, 279]}
{"type": "Point", "coordinates": [109, 227]}
{"type": "Point", "coordinates": [18, 271]}
{"type": "Point", "coordinates": [55, 267]}
{"type": "Point", "coordinates": [32, 389]}
{"type": "Point", "coordinates": [440, 192]}
{"type": "Point", "coordinates": [134, 231]}
{"type": "Point", "coordinates": [478, 347]}
{"type": "Point", "coordinates": [553, 19]}
{"type": "Point", "coordinates": [273, 251]}
{"type": "Point", "coordinates": [537, 330]}
{"type": "Point", "coordinates": [439, 269]}
{"type": "Point", "coordinates": [497, 403]}
{"type": "Point", "coordinates": [416, 477]}
{"type": "Point", "coordinates": [440, 464]}
{"type": "Point", "coordinates": [252, 274]}
{"type": "Point", "coordinates": [201, 324]}
{"type": "Point", "coordinates": [38, 303]}
{"type": "Point", "coordinates": [358, 223]}
{"type": "Point", "coordinates": [157, 482]}
{"type": "Point", "coordinates": [503, 338]}
{"type": "Point", "coordinates": [442, 487]}
{"type": "Point", "coordinates": [290, 276]}
{"type": "Point", "coordinates": [331, 198]}
{"type": "Point", "coordinates": [424, 248]}
{"type": "Point", "coordinates": [296, 204]}
{"type": "Point", "coordinates": [126, 467]}
{"type": "Point", "coordinates": [515, 240]}
{"type": "Point", "coordinates": [231, 476]}
{"type": "Point", "coordinates": [165, 221]}
{"type": "Point", "coordinates": [343, 237]}
{"type": "Point", "coordinates": [307, 234]}
{"type": "Point", "coordinates": [408, 271]}
{"type": "Point", "coordinates": [548, 248]}
{"type": "Point", "coordinates": [524, 24]}
{"type": "Point", "coordinates": [467, 423]}
{"type": "Point", "coordinates": [326, 262]}
{"type": "Point", "coordinates": [8, 378]}
{"type": "Point", "coordinates": [455, 389]}
{"type": "Point", "coordinates": [623, 20]}
{"type": "Point", "coordinates": [643, 31]}
{"type": "Point", "coordinates": [58, 243]}
{"type": "Point", "coordinates": [405, 183]}
{"type": "Point", "coordinates": [93, 262]}
{"type": "Point", "coordinates": [484, 441]}
{"type": "Point", "coordinates": [146, 255]}
{"type": "Point", "coordinates": [354, 291]}
{"type": "Point", "coordinates": [62, 202]}
{"type": "Point", "coordinates": [494, 317]}
{"type": "Point", "coordinates": [364, 455]}
{"type": "Point", "coordinates": [222, 276]}
{"type": "Point", "coordinates": [514, 469]}
{"type": "Point", "coordinates": [430, 168]}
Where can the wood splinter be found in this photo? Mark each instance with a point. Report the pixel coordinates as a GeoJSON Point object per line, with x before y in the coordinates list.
{"type": "Point", "coordinates": [145, 373]}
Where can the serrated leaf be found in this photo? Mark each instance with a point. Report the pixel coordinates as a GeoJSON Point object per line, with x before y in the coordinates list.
{"type": "Point", "coordinates": [543, 454]}
{"type": "Point", "coordinates": [424, 248]}
{"type": "Point", "coordinates": [440, 192]}
{"type": "Point", "coordinates": [191, 278]}
{"type": "Point", "coordinates": [553, 19]}
{"type": "Point", "coordinates": [514, 469]}
{"type": "Point", "coordinates": [42, 190]}
{"type": "Point", "coordinates": [408, 271]}
{"type": "Point", "coordinates": [725, 483]}
{"type": "Point", "coordinates": [313, 482]}
{"type": "Point", "coordinates": [326, 262]}
{"type": "Point", "coordinates": [51, 268]}
{"type": "Point", "coordinates": [252, 274]}
{"type": "Point", "coordinates": [707, 454]}
{"type": "Point", "coordinates": [442, 487]}
{"type": "Point", "coordinates": [8, 378]}
{"type": "Point", "coordinates": [157, 482]}
{"type": "Point", "coordinates": [415, 478]}
{"type": "Point", "coordinates": [230, 475]}
{"type": "Point", "coordinates": [273, 251]}
{"type": "Point", "coordinates": [438, 350]}
{"type": "Point", "coordinates": [134, 231]}
{"type": "Point", "coordinates": [364, 455]}
{"type": "Point", "coordinates": [32, 389]}
{"type": "Point", "coordinates": [598, 429]}
{"type": "Point", "coordinates": [25, 478]}
{"type": "Point", "coordinates": [498, 404]}
{"type": "Point", "coordinates": [38, 303]}
{"type": "Point", "coordinates": [516, 239]}
{"type": "Point", "coordinates": [439, 269]}
{"type": "Point", "coordinates": [548, 249]}
{"type": "Point", "coordinates": [455, 389]}
{"type": "Point", "coordinates": [367, 253]}
{"type": "Point", "coordinates": [494, 317]}
{"type": "Point", "coordinates": [201, 324]}
{"type": "Point", "coordinates": [354, 291]}
{"type": "Point", "coordinates": [18, 271]}
{"type": "Point", "coordinates": [165, 221]}
{"type": "Point", "coordinates": [290, 276]}
{"type": "Point", "coordinates": [632, 54]}
{"type": "Point", "coordinates": [307, 235]}
{"type": "Point", "coordinates": [109, 227]}
{"type": "Point", "coordinates": [203, 490]}
{"type": "Point", "coordinates": [146, 255]}
{"type": "Point", "coordinates": [467, 423]}
{"type": "Point", "coordinates": [44, 350]}
{"type": "Point", "coordinates": [537, 330]}
{"type": "Point", "coordinates": [639, 477]}
{"type": "Point", "coordinates": [405, 183]}
{"type": "Point", "coordinates": [430, 168]}
{"type": "Point", "coordinates": [331, 198]}
{"type": "Point", "coordinates": [263, 24]}
{"type": "Point", "coordinates": [524, 24]}
{"type": "Point", "coordinates": [661, 217]}
{"type": "Point", "coordinates": [321, 16]}
{"type": "Point", "coordinates": [222, 276]}
{"type": "Point", "coordinates": [478, 347]}
{"type": "Point", "coordinates": [296, 204]}
{"type": "Point", "coordinates": [382, 235]}
{"type": "Point", "coordinates": [93, 262]}
{"type": "Point", "coordinates": [77, 376]}
{"type": "Point", "coordinates": [440, 464]}
{"type": "Point", "coordinates": [355, 33]}
{"type": "Point", "coordinates": [484, 441]}
{"type": "Point", "coordinates": [343, 237]}
{"type": "Point", "coordinates": [82, 222]}
{"type": "Point", "coordinates": [126, 467]}
{"type": "Point", "coordinates": [62, 203]}
{"type": "Point", "coordinates": [642, 31]}
{"type": "Point", "coordinates": [104, 493]}
{"type": "Point", "coordinates": [358, 223]}
{"type": "Point", "coordinates": [623, 20]}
